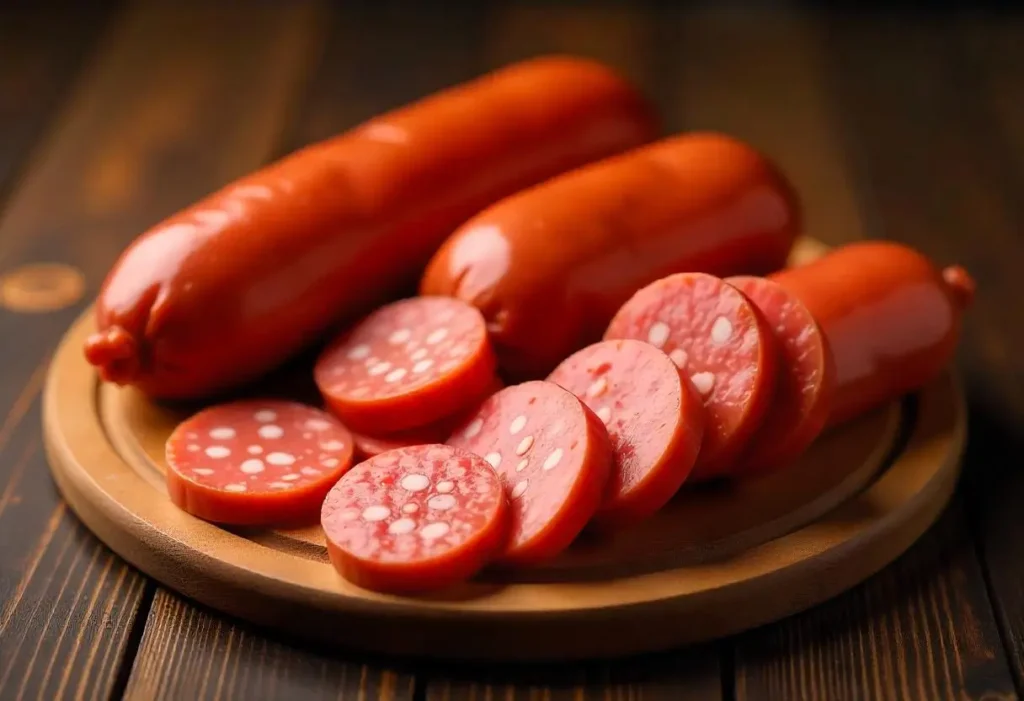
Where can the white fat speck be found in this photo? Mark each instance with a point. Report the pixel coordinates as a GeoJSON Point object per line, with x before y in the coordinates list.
{"type": "Point", "coordinates": [436, 336]}
{"type": "Point", "coordinates": [415, 482]}
{"type": "Point", "coordinates": [317, 424]}
{"type": "Point", "coordinates": [522, 464]}
{"type": "Point", "coordinates": [517, 425]}
{"type": "Point", "coordinates": [493, 458]}
{"type": "Point", "coordinates": [598, 387]}
{"type": "Point", "coordinates": [255, 449]}
{"type": "Point", "coordinates": [704, 382]}
{"type": "Point", "coordinates": [721, 331]}
{"type": "Point", "coordinates": [270, 431]}
{"type": "Point", "coordinates": [222, 434]}
{"type": "Point", "coordinates": [349, 515]}
{"type": "Point", "coordinates": [399, 336]}
{"type": "Point", "coordinates": [193, 448]}
{"type": "Point", "coordinates": [423, 366]}
{"type": "Point", "coordinates": [376, 513]}
{"type": "Point", "coordinates": [234, 487]}
{"type": "Point", "coordinates": [418, 354]}
{"type": "Point", "coordinates": [434, 530]}
{"type": "Point", "coordinates": [395, 375]}
{"type": "Point", "coordinates": [310, 471]}
{"type": "Point", "coordinates": [252, 467]}
{"type": "Point", "coordinates": [473, 428]}
{"type": "Point", "coordinates": [553, 459]}
{"type": "Point", "coordinates": [332, 446]}
{"type": "Point", "coordinates": [329, 462]}
{"type": "Point", "coordinates": [265, 415]}
{"type": "Point", "coordinates": [280, 458]}
{"type": "Point", "coordinates": [410, 508]}
{"type": "Point", "coordinates": [679, 357]}
{"type": "Point", "coordinates": [290, 478]}
{"type": "Point", "coordinates": [445, 486]}
{"type": "Point", "coordinates": [279, 485]}
{"type": "Point", "coordinates": [442, 502]}
{"type": "Point", "coordinates": [520, 488]}
{"type": "Point", "coordinates": [217, 451]}
{"type": "Point", "coordinates": [402, 526]}
{"type": "Point", "coordinates": [658, 334]}
{"type": "Point", "coordinates": [204, 471]}
{"type": "Point", "coordinates": [357, 353]}
{"type": "Point", "coordinates": [524, 445]}
{"type": "Point", "coordinates": [604, 413]}
{"type": "Point", "coordinates": [379, 369]}
{"type": "Point", "coordinates": [360, 391]}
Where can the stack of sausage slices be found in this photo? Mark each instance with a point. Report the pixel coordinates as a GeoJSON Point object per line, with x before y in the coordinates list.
{"type": "Point", "coordinates": [425, 468]}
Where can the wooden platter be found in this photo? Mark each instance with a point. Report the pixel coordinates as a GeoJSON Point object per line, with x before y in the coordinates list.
{"type": "Point", "coordinates": [717, 561]}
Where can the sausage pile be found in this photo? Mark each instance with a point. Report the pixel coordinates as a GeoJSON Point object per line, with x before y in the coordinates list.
{"type": "Point", "coordinates": [601, 319]}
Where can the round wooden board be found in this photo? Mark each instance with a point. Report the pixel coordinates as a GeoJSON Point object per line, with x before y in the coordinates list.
{"type": "Point", "coordinates": [718, 560]}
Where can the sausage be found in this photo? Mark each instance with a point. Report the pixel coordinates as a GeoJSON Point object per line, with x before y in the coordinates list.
{"type": "Point", "coordinates": [655, 420]}
{"type": "Point", "coordinates": [408, 364]}
{"type": "Point", "coordinates": [712, 332]}
{"type": "Point", "coordinates": [891, 317]}
{"type": "Point", "coordinates": [256, 462]}
{"type": "Point", "coordinates": [554, 457]}
{"type": "Point", "coordinates": [227, 289]}
{"type": "Point", "coordinates": [805, 382]}
{"type": "Point", "coordinates": [549, 266]}
{"type": "Point", "coordinates": [415, 519]}
{"type": "Point", "coordinates": [370, 444]}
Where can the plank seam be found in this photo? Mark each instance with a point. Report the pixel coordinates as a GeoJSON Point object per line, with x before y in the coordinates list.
{"type": "Point", "coordinates": [133, 642]}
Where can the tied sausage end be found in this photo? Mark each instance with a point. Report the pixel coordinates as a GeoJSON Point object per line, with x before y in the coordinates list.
{"type": "Point", "coordinates": [115, 354]}
{"type": "Point", "coordinates": [961, 285]}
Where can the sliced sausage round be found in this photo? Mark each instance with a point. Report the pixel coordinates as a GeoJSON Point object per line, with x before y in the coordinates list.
{"type": "Point", "coordinates": [714, 334]}
{"type": "Point", "coordinates": [804, 385]}
{"type": "Point", "coordinates": [256, 462]}
{"type": "Point", "coordinates": [655, 420]}
{"type": "Point", "coordinates": [415, 519]}
{"type": "Point", "coordinates": [408, 364]}
{"type": "Point", "coordinates": [554, 457]}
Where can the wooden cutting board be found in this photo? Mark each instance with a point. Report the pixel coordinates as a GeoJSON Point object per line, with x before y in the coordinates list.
{"type": "Point", "coordinates": [716, 561]}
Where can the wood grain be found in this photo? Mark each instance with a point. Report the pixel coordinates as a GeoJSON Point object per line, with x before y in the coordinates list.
{"type": "Point", "coordinates": [149, 125]}
{"type": "Point", "coordinates": [766, 77]}
{"type": "Point", "coordinates": [188, 652]}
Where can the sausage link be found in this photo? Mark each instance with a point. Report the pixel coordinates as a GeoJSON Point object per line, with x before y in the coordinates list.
{"type": "Point", "coordinates": [549, 267]}
{"type": "Point", "coordinates": [233, 285]}
{"type": "Point", "coordinates": [891, 317]}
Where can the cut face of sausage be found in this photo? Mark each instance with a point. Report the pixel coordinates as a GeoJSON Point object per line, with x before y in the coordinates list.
{"type": "Point", "coordinates": [721, 341]}
{"type": "Point", "coordinates": [256, 462]}
{"type": "Point", "coordinates": [805, 383]}
{"type": "Point", "coordinates": [554, 457]}
{"type": "Point", "coordinates": [414, 519]}
{"type": "Point", "coordinates": [655, 420]}
{"type": "Point", "coordinates": [406, 365]}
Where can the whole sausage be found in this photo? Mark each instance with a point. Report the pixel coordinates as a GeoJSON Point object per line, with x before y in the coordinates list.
{"type": "Point", "coordinates": [233, 285]}
{"type": "Point", "coordinates": [890, 316]}
{"type": "Point", "coordinates": [549, 266]}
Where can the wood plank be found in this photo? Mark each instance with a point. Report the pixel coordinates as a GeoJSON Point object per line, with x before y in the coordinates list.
{"type": "Point", "coordinates": [39, 59]}
{"type": "Point", "coordinates": [151, 125]}
{"type": "Point", "coordinates": [765, 76]}
{"type": "Point", "coordinates": [189, 652]}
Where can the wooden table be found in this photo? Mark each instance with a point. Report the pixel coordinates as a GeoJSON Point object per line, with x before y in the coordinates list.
{"type": "Point", "coordinates": [893, 125]}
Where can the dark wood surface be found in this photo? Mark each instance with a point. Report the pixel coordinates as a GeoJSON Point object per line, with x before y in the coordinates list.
{"type": "Point", "coordinates": [894, 123]}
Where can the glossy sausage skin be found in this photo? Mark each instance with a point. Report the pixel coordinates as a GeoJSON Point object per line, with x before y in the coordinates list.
{"type": "Point", "coordinates": [891, 317]}
{"type": "Point", "coordinates": [549, 266]}
{"type": "Point", "coordinates": [233, 285]}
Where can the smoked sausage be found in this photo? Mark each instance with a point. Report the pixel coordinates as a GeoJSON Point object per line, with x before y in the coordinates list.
{"type": "Point", "coordinates": [549, 266]}
{"type": "Point", "coordinates": [890, 316]}
{"type": "Point", "coordinates": [230, 287]}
